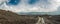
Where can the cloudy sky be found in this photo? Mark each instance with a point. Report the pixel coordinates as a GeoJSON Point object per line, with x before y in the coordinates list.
{"type": "Point", "coordinates": [46, 6]}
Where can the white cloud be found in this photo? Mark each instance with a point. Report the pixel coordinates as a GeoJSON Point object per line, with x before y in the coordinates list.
{"type": "Point", "coordinates": [38, 7]}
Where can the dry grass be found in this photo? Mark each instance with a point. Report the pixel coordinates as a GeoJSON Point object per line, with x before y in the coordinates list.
{"type": "Point", "coordinates": [7, 17]}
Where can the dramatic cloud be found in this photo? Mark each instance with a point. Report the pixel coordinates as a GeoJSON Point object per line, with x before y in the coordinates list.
{"type": "Point", "coordinates": [38, 6]}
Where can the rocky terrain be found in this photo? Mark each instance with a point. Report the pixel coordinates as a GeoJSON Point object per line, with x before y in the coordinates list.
{"type": "Point", "coordinates": [7, 17]}
{"type": "Point", "coordinates": [54, 19]}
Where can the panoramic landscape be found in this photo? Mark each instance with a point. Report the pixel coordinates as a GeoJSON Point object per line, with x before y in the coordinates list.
{"type": "Point", "coordinates": [29, 11]}
{"type": "Point", "coordinates": [8, 17]}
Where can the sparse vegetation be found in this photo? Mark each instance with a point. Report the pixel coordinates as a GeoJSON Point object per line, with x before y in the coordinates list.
{"type": "Point", "coordinates": [7, 17]}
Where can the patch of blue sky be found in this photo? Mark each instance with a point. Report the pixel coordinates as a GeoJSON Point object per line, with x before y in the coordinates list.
{"type": "Point", "coordinates": [13, 2]}
{"type": "Point", "coordinates": [32, 1]}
